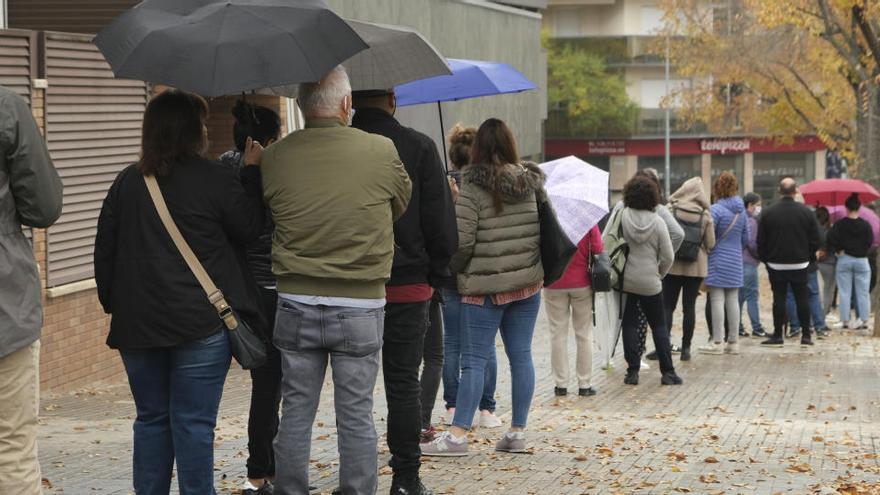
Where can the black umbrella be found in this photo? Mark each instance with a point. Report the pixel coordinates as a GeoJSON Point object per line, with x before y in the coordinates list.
{"type": "Point", "coordinates": [220, 47]}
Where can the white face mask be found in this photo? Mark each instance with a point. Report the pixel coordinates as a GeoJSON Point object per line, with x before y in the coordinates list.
{"type": "Point", "coordinates": [757, 210]}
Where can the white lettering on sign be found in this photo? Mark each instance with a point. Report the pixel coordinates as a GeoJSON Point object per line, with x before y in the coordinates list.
{"type": "Point", "coordinates": [725, 146]}
{"type": "Point", "coordinates": [606, 147]}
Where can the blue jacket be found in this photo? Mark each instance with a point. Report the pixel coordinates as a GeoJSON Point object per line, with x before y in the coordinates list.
{"type": "Point", "coordinates": [726, 259]}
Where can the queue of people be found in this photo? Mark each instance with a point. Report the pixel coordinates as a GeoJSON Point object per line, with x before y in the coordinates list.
{"type": "Point", "coordinates": [345, 244]}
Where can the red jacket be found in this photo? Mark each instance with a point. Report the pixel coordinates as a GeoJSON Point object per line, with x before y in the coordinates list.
{"type": "Point", "coordinates": [577, 274]}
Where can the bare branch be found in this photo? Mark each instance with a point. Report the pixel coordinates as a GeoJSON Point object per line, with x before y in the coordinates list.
{"type": "Point", "coordinates": [868, 32]}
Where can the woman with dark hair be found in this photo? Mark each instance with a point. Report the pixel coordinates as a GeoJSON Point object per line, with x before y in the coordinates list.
{"type": "Point", "coordinates": [173, 344]}
{"type": "Point", "coordinates": [725, 275]}
{"type": "Point", "coordinates": [851, 238]}
{"type": "Point", "coordinates": [650, 256]}
{"type": "Point", "coordinates": [827, 262]}
{"type": "Point", "coordinates": [500, 276]}
{"type": "Point", "coordinates": [461, 140]}
{"type": "Point", "coordinates": [262, 125]}
{"type": "Point", "coordinates": [750, 292]}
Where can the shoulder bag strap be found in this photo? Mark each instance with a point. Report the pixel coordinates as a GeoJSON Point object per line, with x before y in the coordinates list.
{"type": "Point", "coordinates": [215, 297]}
{"type": "Point", "coordinates": [730, 227]}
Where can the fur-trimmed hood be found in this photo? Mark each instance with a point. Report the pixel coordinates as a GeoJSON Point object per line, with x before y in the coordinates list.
{"type": "Point", "coordinates": [516, 182]}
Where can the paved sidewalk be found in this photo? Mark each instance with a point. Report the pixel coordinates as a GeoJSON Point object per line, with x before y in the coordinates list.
{"type": "Point", "coordinates": [766, 422]}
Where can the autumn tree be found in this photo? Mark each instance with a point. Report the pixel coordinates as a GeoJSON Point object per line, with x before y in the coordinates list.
{"type": "Point", "coordinates": [591, 100]}
{"type": "Point", "coordinates": [783, 67]}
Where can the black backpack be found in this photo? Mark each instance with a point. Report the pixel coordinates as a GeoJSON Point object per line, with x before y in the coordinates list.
{"type": "Point", "coordinates": [693, 236]}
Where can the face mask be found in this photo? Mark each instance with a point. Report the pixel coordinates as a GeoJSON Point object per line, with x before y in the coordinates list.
{"type": "Point", "coordinates": [757, 210]}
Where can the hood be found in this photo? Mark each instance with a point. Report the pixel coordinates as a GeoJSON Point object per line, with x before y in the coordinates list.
{"type": "Point", "coordinates": [690, 193]}
{"type": "Point", "coordinates": [516, 182]}
{"type": "Point", "coordinates": [734, 204]}
{"type": "Point", "coordinates": [638, 225]}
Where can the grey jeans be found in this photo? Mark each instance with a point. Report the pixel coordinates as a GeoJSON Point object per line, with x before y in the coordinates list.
{"type": "Point", "coordinates": [350, 339]}
{"type": "Point", "coordinates": [725, 302]}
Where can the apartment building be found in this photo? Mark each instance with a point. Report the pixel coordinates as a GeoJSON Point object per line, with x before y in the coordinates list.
{"type": "Point", "coordinates": [621, 31]}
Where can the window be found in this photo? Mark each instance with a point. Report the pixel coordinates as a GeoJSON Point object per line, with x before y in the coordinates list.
{"type": "Point", "coordinates": [681, 168]}
{"type": "Point", "coordinates": [651, 21]}
{"type": "Point", "coordinates": [568, 22]}
{"type": "Point", "coordinates": [654, 90]}
{"type": "Point", "coordinates": [771, 167]}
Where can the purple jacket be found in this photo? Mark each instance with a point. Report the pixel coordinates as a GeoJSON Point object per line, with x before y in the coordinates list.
{"type": "Point", "coordinates": [752, 246]}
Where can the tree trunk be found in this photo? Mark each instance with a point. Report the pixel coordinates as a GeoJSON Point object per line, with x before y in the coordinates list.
{"type": "Point", "coordinates": [868, 157]}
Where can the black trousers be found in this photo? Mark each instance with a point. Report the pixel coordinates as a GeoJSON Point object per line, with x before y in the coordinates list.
{"type": "Point", "coordinates": [405, 327]}
{"type": "Point", "coordinates": [652, 306]}
{"type": "Point", "coordinates": [689, 287]}
{"type": "Point", "coordinates": [780, 281]}
{"type": "Point", "coordinates": [265, 399]}
{"type": "Point", "coordinates": [432, 370]}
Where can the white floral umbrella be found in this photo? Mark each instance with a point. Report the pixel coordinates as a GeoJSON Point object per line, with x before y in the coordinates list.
{"type": "Point", "coordinates": [579, 194]}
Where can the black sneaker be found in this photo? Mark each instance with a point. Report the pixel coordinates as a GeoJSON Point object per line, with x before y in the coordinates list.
{"type": "Point", "coordinates": [806, 341]}
{"type": "Point", "coordinates": [560, 391]}
{"type": "Point", "coordinates": [670, 378]}
{"type": "Point", "coordinates": [795, 332]}
{"type": "Point", "coordinates": [685, 353]}
{"type": "Point", "coordinates": [822, 333]}
{"type": "Point", "coordinates": [587, 392]}
{"type": "Point", "coordinates": [742, 332]}
{"type": "Point", "coordinates": [632, 378]}
{"type": "Point", "coordinates": [408, 486]}
{"type": "Point", "coordinates": [759, 333]}
{"type": "Point", "coordinates": [266, 489]}
{"type": "Point", "coordinates": [773, 342]}
{"type": "Point", "coordinates": [652, 356]}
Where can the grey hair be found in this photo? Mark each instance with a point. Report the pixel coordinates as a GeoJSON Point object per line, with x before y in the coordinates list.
{"type": "Point", "coordinates": [323, 99]}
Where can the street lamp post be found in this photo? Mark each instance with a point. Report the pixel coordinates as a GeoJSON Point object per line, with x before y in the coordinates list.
{"type": "Point", "coordinates": [668, 158]}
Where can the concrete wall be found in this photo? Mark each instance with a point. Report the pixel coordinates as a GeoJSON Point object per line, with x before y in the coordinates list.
{"type": "Point", "coordinates": [471, 30]}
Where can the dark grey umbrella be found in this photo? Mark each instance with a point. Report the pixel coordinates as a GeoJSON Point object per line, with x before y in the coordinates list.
{"type": "Point", "coordinates": [397, 55]}
{"type": "Point", "coordinates": [220, 47]}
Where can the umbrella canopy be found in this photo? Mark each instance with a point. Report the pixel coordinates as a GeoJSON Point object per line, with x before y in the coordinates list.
{"type": "Point", "coordinates": [469, 79]}
{"type": "Point", "coordinates": [220, 47]}
{"type": "Point", "coordinates": [579, 193]}
{"type": "Point", "coordinates": [867, 214]}
{"type": "Point", "coordinates": [397, 55]}
{"type": "Point", "coordinates": [833, 192]}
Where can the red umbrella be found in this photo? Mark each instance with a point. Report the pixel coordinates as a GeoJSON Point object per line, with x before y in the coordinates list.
{"type": "Point", "coordinates": [833, 192]}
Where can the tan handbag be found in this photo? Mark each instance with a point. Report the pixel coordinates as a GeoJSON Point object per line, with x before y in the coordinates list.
{"type": "Point", "coordinates": [248, 348]}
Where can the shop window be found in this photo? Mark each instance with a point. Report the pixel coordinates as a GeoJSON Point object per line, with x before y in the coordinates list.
{"type": "Point", "coordinates": [770, 168]}
{"type": "Point", "coordinates": [728, 163]}
{"type": "Point", "coordinates": [681, 168]}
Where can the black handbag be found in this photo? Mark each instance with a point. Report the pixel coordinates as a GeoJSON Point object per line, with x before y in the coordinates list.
{"type": "Point", "coordinates": [556, 248]}
{"type": "Point", "coordinates": [600, 271]}
{"type": "Point", "coordinates": [247, 346]}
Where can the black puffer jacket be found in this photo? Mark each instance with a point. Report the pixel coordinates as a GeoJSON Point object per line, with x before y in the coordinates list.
{"type": "Point", "coordinates": [425, 237]}
{"type": "Point", "coordinates": [258, 252]}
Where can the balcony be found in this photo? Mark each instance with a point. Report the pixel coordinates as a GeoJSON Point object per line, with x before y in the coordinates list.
{"type": "Point", "coordinates": [649, 123]}
{"type": "Point", "coordinates": [618, 51]}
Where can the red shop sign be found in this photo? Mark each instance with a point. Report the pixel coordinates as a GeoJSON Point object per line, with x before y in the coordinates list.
{"type": "Point", "coordinates": [724, 146]}
{"type": "Point", "coordinates": [608, 147]}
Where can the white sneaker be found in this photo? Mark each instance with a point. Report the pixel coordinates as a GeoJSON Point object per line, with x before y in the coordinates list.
{"type": "Point", "coordinates": [711, 348]}
{"type": "Point", "coordinates": [643, 365]}
{"type": "Point", "coordinates": [732, 348]}
{"type": "Point", "coordinates": [488, 419]}
{"type": "Point", "coordinates": [856, 324]}
{"type": "Point", "coordinates": [840, 325]}
{"type": "Point", "coordinates": [446, 445]}
{"type": "Point", "coordinates": [831, 318]}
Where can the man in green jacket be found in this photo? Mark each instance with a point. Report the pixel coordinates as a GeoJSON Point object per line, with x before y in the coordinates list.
{"type": "Point", "coordinates": [334, 193]}
{"type": "Point", "coordinates": [30, 195]}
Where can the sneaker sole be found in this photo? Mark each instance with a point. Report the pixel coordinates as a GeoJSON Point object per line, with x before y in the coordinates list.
{"type": "Point", "coordinates": [448, 454]}
{"type": "Point", "coordinates": [513, 451]}
{"type": "Point", "coordinates": [712, 353]}
{"type": "Point", "coordinates": [778, 346]}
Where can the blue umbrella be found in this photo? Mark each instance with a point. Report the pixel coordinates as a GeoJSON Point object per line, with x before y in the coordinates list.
{"type": "Point", "coordinates": [469, 79]}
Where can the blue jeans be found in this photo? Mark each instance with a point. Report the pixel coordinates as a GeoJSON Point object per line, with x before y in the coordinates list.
{"type": "Point", "coordinates": [516, 321]}
{"type": "Point", "coordinates": [816, 311]}
{"type": "Point", "coordinates": [176, 393]}
{"type": "Point", "coordinates": [748, 296]}
{"type": "Point", "coordinates": [452, 356]}
{"type": "Point", "coordinates": [854, 273]}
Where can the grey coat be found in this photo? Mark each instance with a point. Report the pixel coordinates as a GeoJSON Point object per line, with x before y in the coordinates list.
{"type": "Point", "coordinates": [650, 252]}
{"type": "Point", "coordinates": [30, 195]}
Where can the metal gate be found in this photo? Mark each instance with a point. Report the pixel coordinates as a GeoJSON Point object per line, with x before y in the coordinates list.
{"type": "Point", "coordinates": [93, 123]}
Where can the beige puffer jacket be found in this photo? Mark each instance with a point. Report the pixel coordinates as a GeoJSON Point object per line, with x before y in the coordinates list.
{"type": "Point", "coordinates": [499, 251]}
{"type": "Point", "coordinates": [686, 204]}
